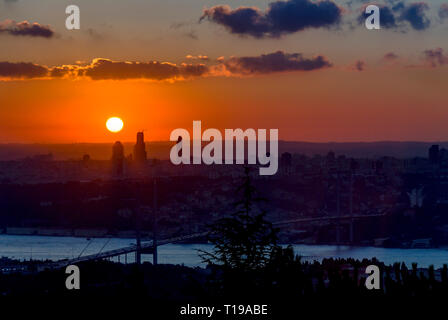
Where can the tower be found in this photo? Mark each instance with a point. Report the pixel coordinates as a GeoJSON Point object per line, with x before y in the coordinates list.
{"type": "Point", "coordinates": [118, 158]}
{"type": "Point", "coordinates": [433, 153]}
{"type": "Point", "coordinates": [286, 163]}
{"type": "Point", "coordinates": [140, 149]}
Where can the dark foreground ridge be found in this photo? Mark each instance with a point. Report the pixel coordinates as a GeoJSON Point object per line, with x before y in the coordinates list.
{"type": "Point", "coordinates": [285, 278]}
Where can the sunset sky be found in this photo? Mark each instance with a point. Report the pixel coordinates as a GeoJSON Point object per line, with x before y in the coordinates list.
{"type": "Point", "coordinates": [309, 68]}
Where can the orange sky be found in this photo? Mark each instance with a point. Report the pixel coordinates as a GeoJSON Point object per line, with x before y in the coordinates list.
{"type": "Point", "coordinates": [374, 105]}
{"type": "Point", "coordinates": [404, 99]}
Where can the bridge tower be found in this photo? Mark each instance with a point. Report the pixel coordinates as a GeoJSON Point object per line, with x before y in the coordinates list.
{"type": "Point", "coordinates": [138, 251]}
{"type": "Point", "coordinates": [338, 206]}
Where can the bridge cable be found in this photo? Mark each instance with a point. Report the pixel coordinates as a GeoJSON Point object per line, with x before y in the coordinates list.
{"type": "Point", "coordinates": [82, 251]}
{"type": "Point", "coordinates": [108, 240]}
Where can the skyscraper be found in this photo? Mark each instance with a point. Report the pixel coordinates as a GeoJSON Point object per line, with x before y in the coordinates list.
{"type": "Point", "coordinates": [118, 158]}
{"type": "Point", "coordinates": [433, 153]}
{"type": "Point", "coordinates": [140, 149]}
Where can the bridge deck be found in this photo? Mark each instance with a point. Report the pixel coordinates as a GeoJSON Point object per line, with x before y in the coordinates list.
{"type": "Point", "coordinates": [148, 246]}
{"type": "Point", "coordinates": [145, 246]}
{"type": "Point", "coordinates": [345, 217]}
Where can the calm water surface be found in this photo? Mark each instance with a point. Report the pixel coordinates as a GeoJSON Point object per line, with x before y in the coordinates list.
{"type": "Point", "coordinates": [55, 248]}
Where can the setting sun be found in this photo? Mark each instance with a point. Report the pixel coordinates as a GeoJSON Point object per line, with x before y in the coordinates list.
{"type": "Point", "coordinates": [114, 124]}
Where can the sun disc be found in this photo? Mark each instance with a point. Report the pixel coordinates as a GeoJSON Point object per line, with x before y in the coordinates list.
{"type": "Point", "coordinates": [114, 124]}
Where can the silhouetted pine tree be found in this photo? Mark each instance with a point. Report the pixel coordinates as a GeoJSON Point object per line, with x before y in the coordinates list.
{"type": "Point", "coordinates": [245, 239]}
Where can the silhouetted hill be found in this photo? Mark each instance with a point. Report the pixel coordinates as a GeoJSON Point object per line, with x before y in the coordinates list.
{"type": "Point", "coordinates": [160, 149]}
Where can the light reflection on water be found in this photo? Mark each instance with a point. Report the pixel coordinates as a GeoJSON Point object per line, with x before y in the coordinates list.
{"type": "Point", "coordinates": [56, 248]}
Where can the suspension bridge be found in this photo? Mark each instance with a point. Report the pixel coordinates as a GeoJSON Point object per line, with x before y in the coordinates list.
{"type": "Point", "coordinates": [150, 247]}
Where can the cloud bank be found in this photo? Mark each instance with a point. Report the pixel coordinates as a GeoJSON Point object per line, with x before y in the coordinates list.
{"type": "Point", "coordinates": [414, 13]}
{"type": "Point", "coordinates": [105, 69]}
{"type": "Point", "coordinates": [390, 56]}
{"type": "Point", "coordinates": [281, 17]}
{"type": "Point", "coordinates": [22, 70]}
{"type": "Point", "coordinates": [274, 62]}
{"type": "Point", "coordinates": [400, 14]}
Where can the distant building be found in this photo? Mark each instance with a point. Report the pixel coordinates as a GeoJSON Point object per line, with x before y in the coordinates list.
{"type": "Point", "coordinates": [331, 159]}
{"type": "Point", "coordinates": [416, 197]}
{"type": "Point", "coordinates": [118, 159]}
{"type": "Point", "coordinates": [140, 149]}
{"type": "Point", "coordinates": [354, 165]}
{"type": "Point", "coordinates": [433, 153]}
{"type": "Point", "coordinates": [85, 160]}
{"type": "Point", "coordinates": [286, 159]}
{"type": "Point", "coordinates": [286, 163]}
{"type": "Point", "coordinates": [41, 157]}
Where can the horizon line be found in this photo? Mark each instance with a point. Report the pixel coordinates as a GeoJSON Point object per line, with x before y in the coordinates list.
{"type": "Point", "coordinates": [168, 141]}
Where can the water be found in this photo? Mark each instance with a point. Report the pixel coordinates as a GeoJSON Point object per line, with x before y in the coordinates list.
{"type": "Point", "coordinates": [56, 248]}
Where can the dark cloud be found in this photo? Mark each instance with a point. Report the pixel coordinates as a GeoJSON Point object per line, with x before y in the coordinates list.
{"type": "Point", "coordinates": [390, 56]}
{"type": "Point", "coordinates": [193, 70]}
{"type": "Point", "coordinates": [398, 14]}
{"type": "Point", "coordinates": [360, 65]}
{"type": "Point", "coordinates": [25, 28]}
{"type": "Point", "coordinates": [296, 15]}
{"type": "Point", "coordinates": [414, 13]}
{"type": "Point", "coordinates": [102, 69]}
{"type": "Point", "coordinates": [397, 6]}
{"type": "Point", "coordinates": [241, 21]}
{"type": "Point", "coordinates": [282, 17]}
{"type": "Point", "coordinates": [65, 71]}
{"type": "Point", "coordinates": [105, 69]}
{"type": "Point", "coordinates": [435, 57]}
{"type": "Point", "coordinates": [274, 62]}
{"type": "Point", "coordinates": [387, 17]}
{"type": "Point", "coordinates": [443, 11]}
{"type": "Point", "coordinates": [22, 70]}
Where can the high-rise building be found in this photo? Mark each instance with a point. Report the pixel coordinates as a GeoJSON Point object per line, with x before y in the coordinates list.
{"type": "Point", "coordinates": [331, 159]}
{"type": "Point", "coordinates": [85, 160]}
{"type": "Point", "coordinates": [140, 149]}
{"type": "Point", "coordinates": [118, 159]}
{"type": "Point", "coordinates": [434, 153]}
{"type": "Point", "coordinates": [286, 159]}
{"type": "Point", "coordinates": [286, 163]}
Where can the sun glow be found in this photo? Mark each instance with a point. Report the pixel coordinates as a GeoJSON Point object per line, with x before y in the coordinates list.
{"type": "Point", "coordinates": [114, 124]}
